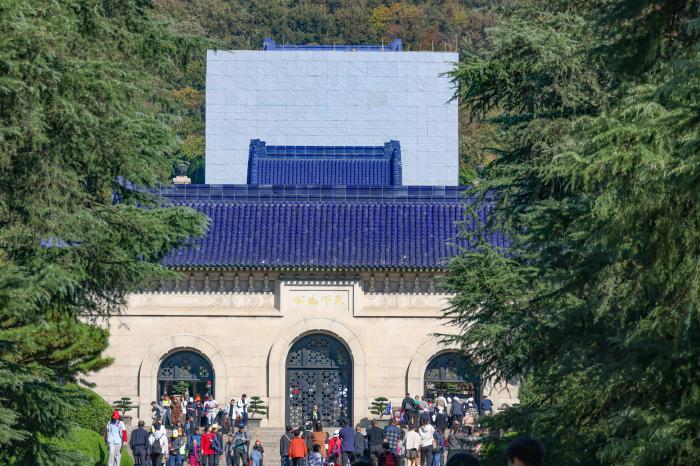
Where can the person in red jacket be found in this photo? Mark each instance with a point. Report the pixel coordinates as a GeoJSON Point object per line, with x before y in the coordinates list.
{"type": "Point", "coordinates": [297, 449]}
{"type": "Point", "coordinates": [207, 449]}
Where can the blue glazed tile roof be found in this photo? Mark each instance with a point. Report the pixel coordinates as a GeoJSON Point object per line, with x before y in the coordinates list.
{"type": "Point", "coordinates": [394, 46]}
{"type": "Point", "coordinates": [324, 165]}
{"type": "Point", "coordinates": [286, 227]}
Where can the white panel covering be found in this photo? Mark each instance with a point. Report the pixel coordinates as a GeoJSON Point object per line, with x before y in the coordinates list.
{"type": "Point", "coordinates": [331, 98]}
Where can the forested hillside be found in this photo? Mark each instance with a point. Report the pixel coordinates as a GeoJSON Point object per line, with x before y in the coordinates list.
{"type": "Point", "coordinates": [242, 24]}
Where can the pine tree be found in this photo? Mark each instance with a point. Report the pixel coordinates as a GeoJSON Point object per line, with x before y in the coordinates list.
{"type": "Point", "coordinates": [82, 106]}
{"type": "Point", "coordinates": [594, 306]}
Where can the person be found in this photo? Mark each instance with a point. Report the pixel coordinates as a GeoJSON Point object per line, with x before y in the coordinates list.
{"type": "Point", "coordinates": [347, 437]}
{"type": "Point", "coordinates": [199, 419]}
{"type": "Point", "coordinates": [486, 406]}
{"type": "Point", "coordinates": [308, 436]}
{"type": "Point", "coordinates": [525, 451]}
{"type": "Point", "coordinates": [157, 443]}
{"type": "Point", "coordinates": [194, 452]}
{"type": "Point", "coordinates": [463, 459]}
{"type": "Point", "coordinates": [471, 413]}
{"type": "Point", "coordinates": [285, 439]}
{"type": "Point", "coordinates": [360, 444]}
{"type": "Point", "coordinates": [156, 412]}
{"type": "Point", "coordinates": [191, 410]}
{"type": "Point", "coordinates": [438, 448]}
{"type": "Point", "coordinates": [241, 441]}
{"type": "Point", "coordinates": [176, 409]}
{"type": "Point", "coordinates": [456, 411]}
{"type": "Point", "coordinates": [411, 443]}
{"type": "Point", "coordinates": [440, 403]}
{"type": "Point", "coordinates": [375, 442]}
{"type": "Point", "coordinates": [440, 420]}
{"type": "Point", "coordinates": [335, 448]}
{"type": "Point", "coordinates": [115, 437]}
{"type": "Point", "coordinates": [319, 437]}
{"type": "Point", "coordinates": [315, 457]}
{"type": "Point", "coordinates": [259, 446]}
{"type": "Point", "coordinates": [387, 456]}
{"type": "Point", "coordinates": [139, 444]}
{"type": "Point", "coordinates": [392, 435]}
{"type": "Point", "coordinates": [315, 414]}
{"type": "Point", "coordinates": [256, 455]}
{"type": "Point", "coordinates": [426, 432]}
{"type": "Point", "coordinates": [232, 415]}
{"type": "Point", "coordinates": [410, 409]}
{"type": "Point", "coordinates": [207, 449]}
{"type": "Point", "coordinates": [177, 444]}
{"type": "Point", "coordinates": [242, 406]}
{"type": "Point", "coordinates": [459, 440]}
{"type": "Point", "coordinates": [212, 408]}
{"type": "Point", "coordinates": [217, 443]}
{"type": "Point", "coordinates": [421, 403]}
{"type": "Point", "coordinates": [228, 450]}
{"type": "Point", "coordinates": [165, 405]}
{"type": "Point", "coordinates": [189, 428]}
{"type": "Point", "coordinates": [196, 435]}
{"type": "Point", "coordinates": [297, 449]}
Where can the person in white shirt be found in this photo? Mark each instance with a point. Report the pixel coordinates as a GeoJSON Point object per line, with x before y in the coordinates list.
{"type": "Point", "coordinates": [158, 435]}
{"type": "Point", "coordinates": [242, 406]}
{"type": "Point", "coordinates": [426, 443]}
{"type": "Point", "coordinates": [212, 410]}
{"type": "Point", "coordinates": [114, 436]}
{"type": "Point", "coordinates": [411, 443]}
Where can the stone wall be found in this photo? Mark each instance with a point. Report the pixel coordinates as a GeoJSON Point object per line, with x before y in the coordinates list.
{"type": "Point", "coordinates": [326, 98]}
{"type": "Point", "coordinates": [245, 322]}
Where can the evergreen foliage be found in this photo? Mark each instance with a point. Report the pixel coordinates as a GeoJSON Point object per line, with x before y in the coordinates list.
{"type": "Point", "coordinates": [257, 406]}
{"type": "Point", "coordinates": [82, 103]}
{"type": "Point", "coordinates": [594, 306]}
{"type": "Point", "coordinates": [378, 406]}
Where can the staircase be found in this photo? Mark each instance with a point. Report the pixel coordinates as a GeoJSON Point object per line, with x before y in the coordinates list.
{"type": "Point", "coordinates": [270, 439]}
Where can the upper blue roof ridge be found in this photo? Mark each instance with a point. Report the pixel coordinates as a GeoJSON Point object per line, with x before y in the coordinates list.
{"type": "Point", "coordinates": [324, 165]}
{"type": "Point", "coordinates": [395, 45]}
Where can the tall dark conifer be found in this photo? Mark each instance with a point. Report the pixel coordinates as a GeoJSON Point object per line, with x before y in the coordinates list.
{"type": "Point", "coordinates": [595, 305]}
{"type": "Point", "coordinates": [82, 103]}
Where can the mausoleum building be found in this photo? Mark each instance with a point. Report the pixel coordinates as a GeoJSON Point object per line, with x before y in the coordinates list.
{"type": "Point", "coordinates": [334, 213]}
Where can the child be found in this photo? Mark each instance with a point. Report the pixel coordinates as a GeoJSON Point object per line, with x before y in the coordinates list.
{"type": "Point", "coordinates": [315, 458]}
{"type": "Point", "coordinates": [256, 456]}
{"type": "Point", "coordinates": [334, 447]}
{"type": "Point", "coordinates": [194, 453]}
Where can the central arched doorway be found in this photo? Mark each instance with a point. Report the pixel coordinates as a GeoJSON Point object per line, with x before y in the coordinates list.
{"type": "Point", "coordinates": [319, 371]}
{"type": "Point", "coordinates": [185, 371]}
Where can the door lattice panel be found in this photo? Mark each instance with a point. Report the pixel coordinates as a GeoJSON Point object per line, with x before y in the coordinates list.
{"type": "Point", "coordinates": [319, 371]}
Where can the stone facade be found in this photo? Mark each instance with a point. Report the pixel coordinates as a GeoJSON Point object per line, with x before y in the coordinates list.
{"type": "Point", "coordinates": [245, 322]}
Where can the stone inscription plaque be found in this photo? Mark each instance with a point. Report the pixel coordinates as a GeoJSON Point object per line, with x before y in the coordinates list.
{"type": "Point", "coordinates": [326, 300]}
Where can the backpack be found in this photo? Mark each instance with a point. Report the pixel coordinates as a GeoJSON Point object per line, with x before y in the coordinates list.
{"type": "Point", "coordinates": [387, 459]}
{"type": "Point", "coordinates": [155, 446]}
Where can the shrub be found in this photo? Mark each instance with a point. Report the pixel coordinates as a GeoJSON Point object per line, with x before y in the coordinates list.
{"type": "Point", "coordinates": [379, 406]}
{"type": "Point", "coordinates": [257, 406]}
{"type": "Point", "coordinates": [93, 413]}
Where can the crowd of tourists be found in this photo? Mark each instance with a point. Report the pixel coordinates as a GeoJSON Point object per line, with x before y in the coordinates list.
{"type": "Point", "coordinates": [446, 432]}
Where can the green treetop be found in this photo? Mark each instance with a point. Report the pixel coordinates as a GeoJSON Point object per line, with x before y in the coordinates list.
{"type": "Point", "coordinates": [82, 103]}
{"type": "Point", "coordinates": [594, 306]}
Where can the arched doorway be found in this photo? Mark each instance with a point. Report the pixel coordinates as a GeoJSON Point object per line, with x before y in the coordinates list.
{"type": "Point", "coordinates": [185, 370]}
{"type": "Point", "coordinates": [319, 371]}
{"type": "Point", "coordinates": [451, 374]}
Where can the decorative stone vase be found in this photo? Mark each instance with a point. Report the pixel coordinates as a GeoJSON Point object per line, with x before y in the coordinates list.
{"type": "Point", "coordinates": [254, 424]}
{"type": "Point", "coordinates": [382, 422]}
{"type": "Point", "coordinates": [126, 420]}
